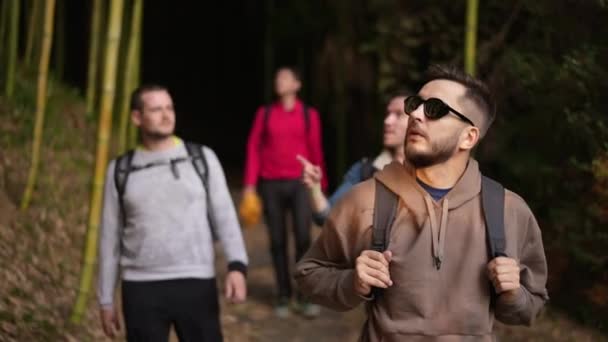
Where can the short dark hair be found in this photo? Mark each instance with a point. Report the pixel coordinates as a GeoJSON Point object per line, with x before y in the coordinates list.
{"type": "Point", "coordinates": [477, 91]}
{"type": "Point", "coordinates": [136, 100]}
{"type": "Point", "coordinates": [295, 71]}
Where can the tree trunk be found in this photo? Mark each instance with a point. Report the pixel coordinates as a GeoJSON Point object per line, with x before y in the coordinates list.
{"type": "Point", "coordinates": [13, 36]}
{"type": "Point", "coordinates": [471, 36]}
{"type": "Point", "coordinates": [103, 137]}
{"type": "Point", "coordinates": [136, 79]}
{"type": "Point", "coordinates": [93, 67]}
{"type": "Point", "coordinates": [59, 51]}
{"type": "Point", "coordinates": [32, 31]}
{"type": "Point", "coordinates": [121, 71]}
{"type": "Point", "coordinates": [43, 67]}
{"type": "Point", "coordinates": [129, 75]}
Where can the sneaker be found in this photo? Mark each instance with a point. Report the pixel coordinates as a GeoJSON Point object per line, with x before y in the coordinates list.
{"type": "Point", "coordinates": [281, 309]}
{"type": "Point", "coordinates": [309, 310]}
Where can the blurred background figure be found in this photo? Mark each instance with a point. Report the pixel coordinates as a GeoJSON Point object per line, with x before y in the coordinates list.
{"type": "Point", "coordinates": [161, 210]}
{"type": "Point", "coordinates": [395, 126]}
{"type": "Point", "coordinates": [281, 131]}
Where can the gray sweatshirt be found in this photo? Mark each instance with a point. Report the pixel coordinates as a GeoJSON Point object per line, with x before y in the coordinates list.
{"type": "Point", "coordinates": [166, 234]}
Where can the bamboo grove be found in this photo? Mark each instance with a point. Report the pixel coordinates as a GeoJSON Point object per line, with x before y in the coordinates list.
{"type": "Point", "coordinates": [114, 42]}
{"type": "Point", "coordinates": [113, 36]}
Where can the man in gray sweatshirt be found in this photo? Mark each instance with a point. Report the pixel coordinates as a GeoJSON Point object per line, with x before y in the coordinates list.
{"type": "Point", "coordinates": [158, 234]}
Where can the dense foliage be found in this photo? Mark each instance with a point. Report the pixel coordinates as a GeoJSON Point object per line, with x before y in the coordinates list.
{"type": "Point", "coordinates": [548, 64]}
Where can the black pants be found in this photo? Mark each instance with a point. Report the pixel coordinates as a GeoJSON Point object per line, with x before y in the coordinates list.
{"type": "Point", "coordinates": [279, 196]}
{"type": "Point", "coordinates": [191, 305]}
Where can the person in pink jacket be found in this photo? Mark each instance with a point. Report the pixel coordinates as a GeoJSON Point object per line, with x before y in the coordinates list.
{"type": "Point", "coordinates": [282, 131]}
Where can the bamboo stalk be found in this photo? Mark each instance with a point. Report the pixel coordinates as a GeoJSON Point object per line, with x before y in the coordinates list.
{"type": "Point", "coordinates": [136, 76]}
{"type": "Point", "coordinates": [101, 55]}
{"type": "Point", "coordinates": [471, 36]}
{"type": "Point", "coordinates": [121, 69]}
{"type": "Point", "coordinates": [103, 137]}
{"type": "Point", "coordinates": [96, 14]}
{"type": "Point", "coordinates": [31, 32]}
{"type": "Point", "coordinates": [43, 66]}
{"type": "Point", "coordinates": [129, 75]}
{"type": "Point", "coordinates": [13, 36]}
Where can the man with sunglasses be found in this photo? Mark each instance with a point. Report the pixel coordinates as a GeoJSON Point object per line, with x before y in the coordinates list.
{"type": "Point", "coordinates": [438, 281]}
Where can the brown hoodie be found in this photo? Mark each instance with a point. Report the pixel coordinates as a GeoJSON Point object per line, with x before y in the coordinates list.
{"type": "Point", "coordinates": [425, 303]}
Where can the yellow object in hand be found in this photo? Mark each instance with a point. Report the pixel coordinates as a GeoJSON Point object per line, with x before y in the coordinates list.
{"type": "Point", "coordinates": [250, 209]}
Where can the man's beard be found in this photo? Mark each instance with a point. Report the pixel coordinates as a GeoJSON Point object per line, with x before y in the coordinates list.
{"type": "Point", "coordinates": [156, 136]}
{"type": "Point", "coordinates": [440, 152]}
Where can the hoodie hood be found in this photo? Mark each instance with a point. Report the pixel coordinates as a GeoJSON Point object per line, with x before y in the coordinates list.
{"type": "Point", "coordinates": [401, 179]}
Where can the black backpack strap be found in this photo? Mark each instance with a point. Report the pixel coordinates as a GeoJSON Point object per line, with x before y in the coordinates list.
{"type": "Point", "coordinates": [385, 209]}
{"type": "Point", "coordinates": [367, 168]}
{"type": "Point", "coordinates": [122, 169]}
{"type": "Point", "coordinates": [267, 109]}
{"type": "Point", "coordinates": [195, 151]}
{"type": "Point", "coordinates": [493, 204]}
{"type": "Point", "coordinates": [307, 118]}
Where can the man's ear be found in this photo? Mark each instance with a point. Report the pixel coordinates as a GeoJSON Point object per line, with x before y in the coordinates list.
{"type": "Point", "coordinates": [136, 117]}
{"type": "Point", "coordinates": [469, 138]}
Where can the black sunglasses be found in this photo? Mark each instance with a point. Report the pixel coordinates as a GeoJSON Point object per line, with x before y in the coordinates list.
{"type": "Point", "coordinates": [434, 108]}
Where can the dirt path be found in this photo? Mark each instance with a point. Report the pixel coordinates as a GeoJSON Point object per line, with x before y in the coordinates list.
{"type": "Point", "coordinates": [254, 320]}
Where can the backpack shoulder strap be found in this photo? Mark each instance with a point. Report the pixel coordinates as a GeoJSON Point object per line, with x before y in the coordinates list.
{"type": "Point", "coordinates": [199, 161]}
{"type": "Point", "coordinates": [307, 118]}
{"type": "Point", "coordinates": [385, 209]}
{"type": "Point", "coordinates": [122, 169]}
{"type": "Point", "coordinates": [367, 168]}
{"type": "Point", "coordinates": [493, 204]}
{"type": "Point", "coordinates": [195, 151]}
{"type": "Point", "coordinates": [267, 110]}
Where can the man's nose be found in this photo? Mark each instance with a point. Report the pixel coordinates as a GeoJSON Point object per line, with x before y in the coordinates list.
{"type": "Point", "coordinates": [418, 113]}
{"type": "Point", "coordinates": [389, 119]}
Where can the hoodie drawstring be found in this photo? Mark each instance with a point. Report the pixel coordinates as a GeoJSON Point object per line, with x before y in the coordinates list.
{"type": "Point", "coordinates": [437, 235]}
